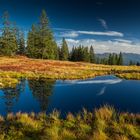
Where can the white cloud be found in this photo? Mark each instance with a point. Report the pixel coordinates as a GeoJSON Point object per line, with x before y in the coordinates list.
{"type": "Point", "coordinates": [107, 46]}
{"type": "Point", "coordinates": [71, 34]}
{"type": "Point", "coordinates": [103, 23]}
{"type": "Point", "coordinates": [72, 41]}
{"type": "Point", "coordinates": [75, 42]}
{"type": "Point", "coordinates": [107, 33]}
{"type": "Point", "coordinates": [123, 40]}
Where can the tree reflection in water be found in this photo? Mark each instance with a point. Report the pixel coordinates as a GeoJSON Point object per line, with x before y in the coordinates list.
{"type": "Point", "coordinates": [41, 90]}
{"type": "Point", "coordinates": [11, 95]}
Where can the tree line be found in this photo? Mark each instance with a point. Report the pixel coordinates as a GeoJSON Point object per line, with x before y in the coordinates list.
{"type": "Point", "coordinates": [82, 53]}
{"type": "Point", "coordinates": [112, 59]}
{"type": "Point", "coordinates": [132, 63]}
{"type": "Point", "coordinates": [40, 43]}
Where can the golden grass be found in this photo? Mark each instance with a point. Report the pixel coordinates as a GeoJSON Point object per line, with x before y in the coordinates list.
{"type": "Point", "coordinates": [23, 67]}
{"type": "Point", "coordinates": [51, 127]}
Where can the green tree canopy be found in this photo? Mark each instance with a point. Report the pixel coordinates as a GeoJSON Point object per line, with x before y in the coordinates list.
{"type": "Point", "coordinates": [8, 40]}
{"type": "Point", "coordinates": [120, 59]}
{"type": "Point", "coordinates": [92, 55]}
{"type": "Point", "coordinates": [41, 43]}
{"type": "Point", "coordinates": [21, 44]}
{"type": "Point", "coordinates": [64, 52]}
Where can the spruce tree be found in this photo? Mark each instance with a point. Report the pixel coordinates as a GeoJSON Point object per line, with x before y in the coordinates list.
{"type": "Point", "coordinates": [48, 47]}
{"type": "Point", "coordinates": [64, 50]}
{"type": "Point", "coordinates": [8, 41]}
{"type": "Point", "coordinates": [86, 55]}
{"type": "Point", "coordinates": [41, 43]}
{"type": "Point", "coordinates": [120, 59]}
{"type": "Point", "coordinates": [110, 59]}
{"type": "Point", "coordinates": [113, 59]}
{"type": "Point", "coordinates": [138, 64]}
{"type": "Point", "coordinates": [73, 54]}
{"type": "Point", "coordinates": [80, 53]}
{"type": "Point", "coordinates": [33, 43]}
{"type": "Point", "coordinates": [92, 55]}
{"type": "Point", "coordinates": [116, 59]}
{"type": "Point", "coordinates": [21, 44]}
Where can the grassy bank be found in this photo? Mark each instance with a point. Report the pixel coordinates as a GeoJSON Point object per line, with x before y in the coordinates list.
{"type": "Point", "coordinates": [23, 67]}
{"type": "Point", "coordinates": [102, 124]}
{"type": "Point", "coordinates": [131, 76]}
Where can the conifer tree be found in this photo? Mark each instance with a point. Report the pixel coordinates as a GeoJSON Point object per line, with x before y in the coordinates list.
{"type": "Point", "coordinates": [64, 50]}
{"type": "Point", "coordinates": [92, 55]}
{"type": "Point", "coordinates": [73, 54]}
{"type": "Point", "coordinates": [33, 43]}
{"type": "Point", "coordinates": [120, 59]}
{"type": "Point", "coordinates": [48, 47]}
{"type": "Point", "coordinates": [8, 41]}
{"type": "Point", "coordinates": [114, 59]}
{"type": "Point", "coordinates": [80, 53]}
{"type": "Point", "coordinates": [41, 43]}
{"type": "Point", "coordinates": [21, 44]}
{"type": "Point", "coordinates": [110, 59]}
{"type": "Point", "coordinates": [86, 55]}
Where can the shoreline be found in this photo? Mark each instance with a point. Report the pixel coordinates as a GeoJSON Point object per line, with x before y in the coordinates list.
{"type": "Point", "coordinates": [13, 69]}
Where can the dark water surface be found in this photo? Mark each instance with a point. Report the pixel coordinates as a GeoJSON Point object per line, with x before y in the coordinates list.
{"type": "Point", "coordinates": [71, 96]}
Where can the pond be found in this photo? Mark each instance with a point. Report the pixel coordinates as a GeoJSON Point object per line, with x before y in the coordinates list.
{"type": "Point", "coordinates": [71, 95]}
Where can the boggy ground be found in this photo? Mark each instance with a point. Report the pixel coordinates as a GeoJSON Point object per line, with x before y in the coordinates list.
{"type": "Point", "coordinates": [11, 69]}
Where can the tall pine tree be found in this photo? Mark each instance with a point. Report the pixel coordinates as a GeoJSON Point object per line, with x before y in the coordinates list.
{"type": "Point", "coordinates": [41, 43]}
{"type": "Point", "coordinates": [21, 44]}
{"type": "Point", "coordinates": [8, 41]}
{"type": "Point", "coordinates": [120, 59]}
{"type": "Point", "coordinates": [33, 43]}
{"type": "Point", "coordinates": [92, 55]}
{"type": "Point", "coordinates": [64, 53]}
{"type": "Point", "coordinates": [48, 47]}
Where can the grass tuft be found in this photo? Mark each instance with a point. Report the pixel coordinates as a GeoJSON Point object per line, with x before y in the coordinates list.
{"type": "Point", "coordinates": [102, 124]}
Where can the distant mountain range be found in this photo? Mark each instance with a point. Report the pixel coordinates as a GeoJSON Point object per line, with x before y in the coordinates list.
{"type": "Point", "coordinates": [127, 57]}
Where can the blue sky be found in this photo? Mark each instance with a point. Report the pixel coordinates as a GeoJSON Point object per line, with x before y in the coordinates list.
{"type": "Point", "coordinates": [108, 25]}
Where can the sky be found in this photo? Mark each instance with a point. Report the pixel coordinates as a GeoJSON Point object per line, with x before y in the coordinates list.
{"type": "Point", "coordinates": [108, 25]}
